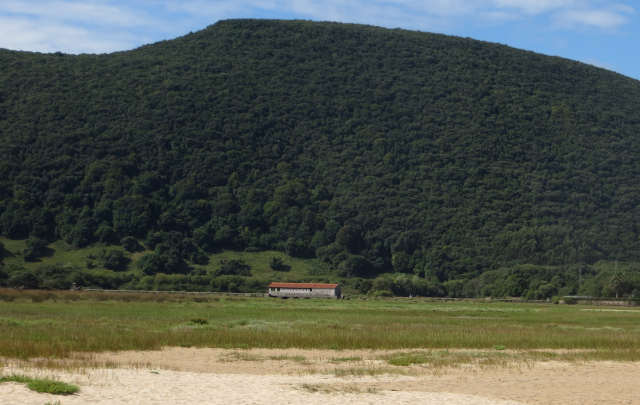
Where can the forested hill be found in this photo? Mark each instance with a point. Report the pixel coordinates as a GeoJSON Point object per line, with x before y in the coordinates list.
{"type": "Point", "coordinates": [375, 150]}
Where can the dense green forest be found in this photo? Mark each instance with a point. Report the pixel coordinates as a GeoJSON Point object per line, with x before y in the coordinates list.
{"type": "Point", "coordinates": [464, 168]}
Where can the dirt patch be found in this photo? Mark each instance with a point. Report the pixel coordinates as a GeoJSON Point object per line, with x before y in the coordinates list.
{"type": "Point", "coordinates": [257, 376]}
{"type": "Point", "coordinates": [127, 386]}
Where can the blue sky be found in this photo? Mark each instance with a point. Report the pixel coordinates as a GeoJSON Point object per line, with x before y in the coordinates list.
{"type": "Point", "coordinates": [602, 33]}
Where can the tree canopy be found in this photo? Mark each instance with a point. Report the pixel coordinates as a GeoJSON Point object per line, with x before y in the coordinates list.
{"type": "Point", "coordinates": [376, 150]}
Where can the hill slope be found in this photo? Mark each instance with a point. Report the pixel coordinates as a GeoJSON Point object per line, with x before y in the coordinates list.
{"type": "Point", "coordinates": [377, 150]}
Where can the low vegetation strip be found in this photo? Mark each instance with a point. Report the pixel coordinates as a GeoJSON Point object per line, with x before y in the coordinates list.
{"type": "Point", "coordinates": [174, 292]}
{"type": "Point", "coordinates": [51, 325]}
{"type": "Point", "coordinates": [42, 385]}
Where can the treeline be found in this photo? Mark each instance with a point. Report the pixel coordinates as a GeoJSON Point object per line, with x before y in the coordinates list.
{"type": "Point", "coordinates": [58, 277]}
{"type": "Point", "coordinates": [382, 152]}
{"type": "Point", "coordinates": [526, 281]}
{"type": "Point", "coordinates": [113, 268]}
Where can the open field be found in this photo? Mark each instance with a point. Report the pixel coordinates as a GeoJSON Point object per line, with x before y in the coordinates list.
{"type": "Point", "coordinates": [164, 348]}
{"type": "Point", "coordinates": [57, 324]}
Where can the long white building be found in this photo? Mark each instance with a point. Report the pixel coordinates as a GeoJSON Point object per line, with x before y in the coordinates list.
{"type": "Point", "coordinates": [304, 290]}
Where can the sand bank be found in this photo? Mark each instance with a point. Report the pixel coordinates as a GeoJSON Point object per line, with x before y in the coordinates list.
{"type": "Point", "coordinates": [218, 376]}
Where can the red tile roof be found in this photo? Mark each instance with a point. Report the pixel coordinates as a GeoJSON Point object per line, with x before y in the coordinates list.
{"type": "Point", "coordinates": [302, 285]}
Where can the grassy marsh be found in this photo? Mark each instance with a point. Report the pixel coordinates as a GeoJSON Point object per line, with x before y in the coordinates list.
{"type": "Point", "coordinates": [40, 324]}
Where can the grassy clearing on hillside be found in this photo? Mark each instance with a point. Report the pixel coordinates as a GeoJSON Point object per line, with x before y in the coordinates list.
{"type": "Point", "coordinates": [14, 246]}
{"type": "Point", "coordinates": [62, 253]}
{"type": "Point", "coordinates": [260, 269]}
{"type": "Point", "coordinates": [67, 255]}
{"type": "Point", "coordinates": [58, 324]}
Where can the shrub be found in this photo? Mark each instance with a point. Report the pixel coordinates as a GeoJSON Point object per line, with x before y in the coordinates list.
{"type": "Point", "coordinates": [332, 254]}
{"type": "Point", "coordinates": [23, 279]}
{"type": "Point", "coordinates": [355, 266]}
{"type": "Point", "coordinates": [297, 248]}
{"type": "Point", "coordinates": [278, 264]}
{"type": "Point", "coordinates": [381, 293]}
{"type": "Point", "coordinates": [151, 264]}
{"type": "Point", "coordinates": [199, 257]}
{"type": "Point", "coordinates": [168, 262]}
{"type": "Point", "coordinates": [107, 279]}
{"type": "Point", "coordinates": [114, 259]}
{"type": "Point", "coordinates": [454, 288]}
{"type": "Point", "coordinates": [36, 248]}
{"type": "Point", "coordinates": [362, 285]}
{"type": "Point", "coordinates": [52, 387]}
{"type": "Point", "coordinates": [55, 277]}
{"type": "Point", "coordinates": [233, 267]}
{"type": "Point", "coordinates": [130, 244]}
{"type": "Point", "coordinates": [43, 385]}
{"type": "Point", "coordinates": [227, 283]}
{"type": "Point", "coordinates": [105, 234]}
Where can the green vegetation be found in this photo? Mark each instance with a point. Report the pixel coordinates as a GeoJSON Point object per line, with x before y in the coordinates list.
{"type": "Point", "coordinates": [240, 356]}
{"type": "Point", "coordinates": [346, 359]}
{"type": "Point", "coordinates": [445, 358]}
{"type": "Point", "coordinates": [333, 389]}
{"type": "Point", "coordinates": [278, 264]}
{"type": "Point", "coordinates": [409, 163]}
{"type": "Point", "coordinates": [42, 385]}
{"type": "Point", "coordinates": [283, 357]}
{"type": "Point", "coordinates": [54, 325]}
{"type": "Point", "coordinates": [105, 266]}
{"type": "Point", "coordinates": [109, 266]}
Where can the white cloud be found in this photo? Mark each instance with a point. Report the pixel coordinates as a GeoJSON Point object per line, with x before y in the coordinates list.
{"type": "Point", "coordinates": [536, 6]}
{"type": "Point", "coordinates": [73, 26]}
{"type": "Point", "coordinates": [605, 19]}
{"type": "Point", "coordinates": [597, 63]}
{"type": "Point", "coordinates": [438, 7]}
{"type": "Point", "coordinates": [497, 17]}
{"type": "Point", "coordinates": [29, 35]}
{"type": "Point", "coordinates": [78, 11]}
{"type": "Point", "coordinates": [202, 8]}
{"type": "Point", "coordinates": [623, 8]}
{"type": "Point", "coordinates": [391, 13]}
{"type": "Point", "coordinates": [105, 25]}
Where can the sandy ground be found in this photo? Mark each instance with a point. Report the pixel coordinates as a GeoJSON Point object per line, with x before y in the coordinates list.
{"type": "Point", "coordinates": [259, 376]}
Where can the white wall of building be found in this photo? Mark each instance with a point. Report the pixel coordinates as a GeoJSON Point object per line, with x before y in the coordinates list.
{"type": "Point", "coordinates": [303, 292]}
